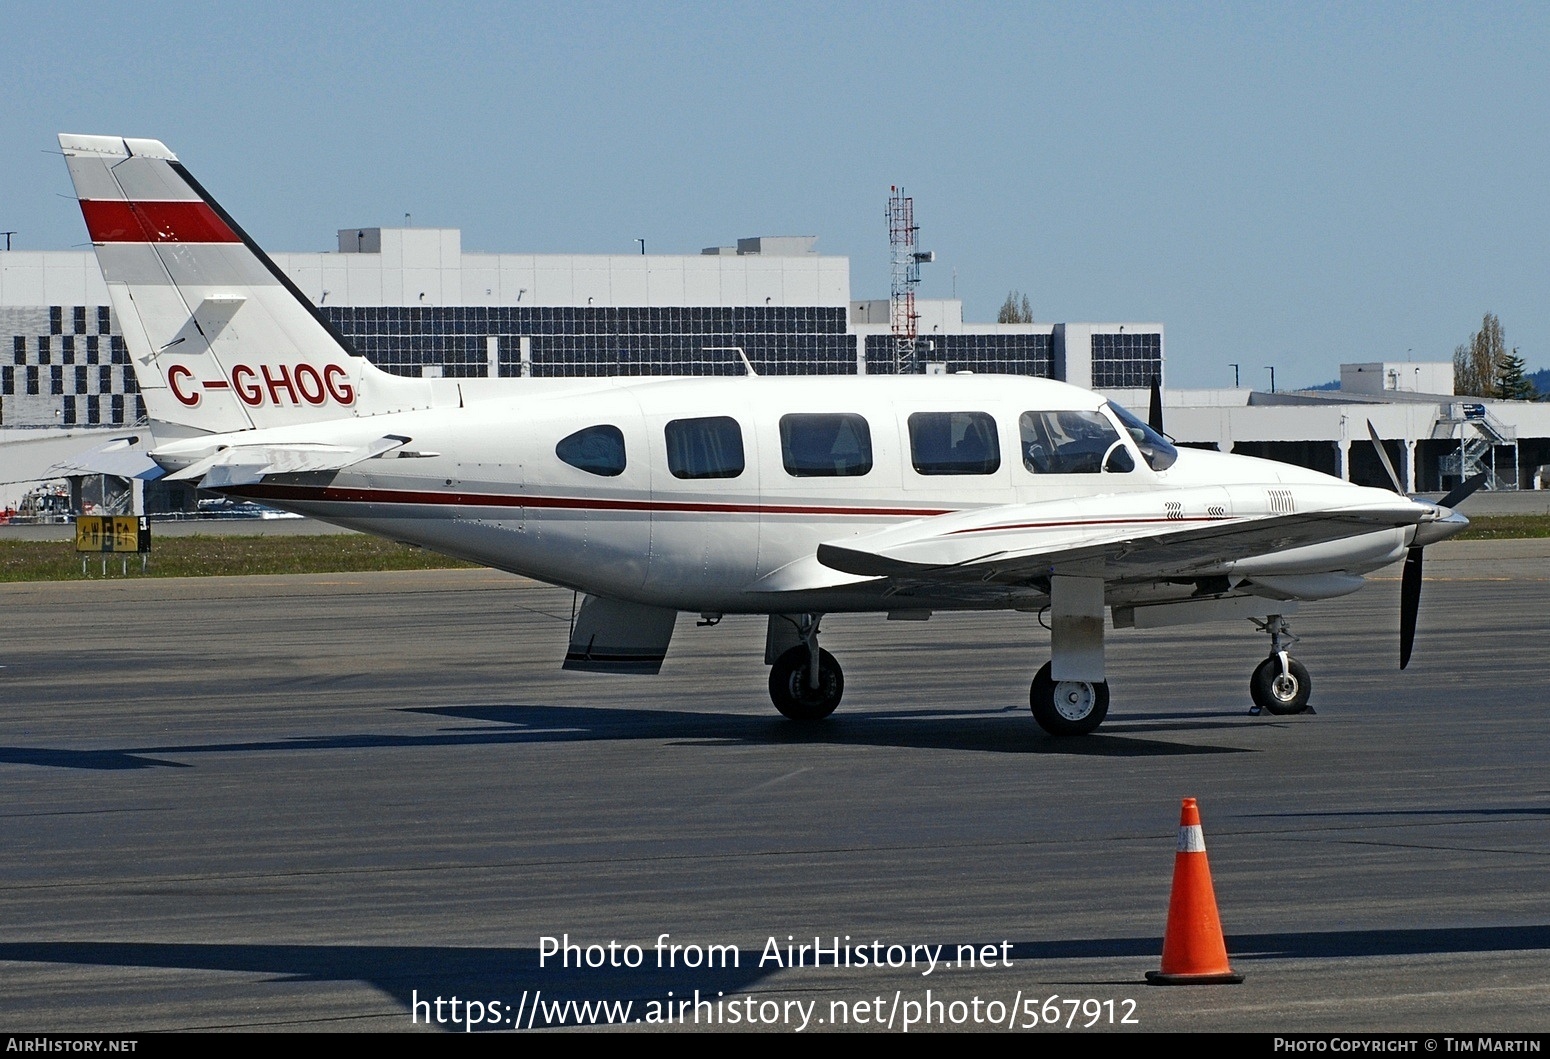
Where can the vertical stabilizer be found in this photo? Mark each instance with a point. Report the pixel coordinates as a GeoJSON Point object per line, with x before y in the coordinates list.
{"type": "Point", "coordinates": [219, 337]}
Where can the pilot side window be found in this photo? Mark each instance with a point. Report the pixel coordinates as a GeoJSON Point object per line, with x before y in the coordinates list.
{"type": "Point", "coordinates": [954, 443]}
{"type": "Point", "coordinates": [1068, 442]}
{"type": "Point", "coordinates": [825, 445]}
{"type": "Point", "coordinates": [596, 450]}
{"type": "Point", "coordinates": [705, 448]}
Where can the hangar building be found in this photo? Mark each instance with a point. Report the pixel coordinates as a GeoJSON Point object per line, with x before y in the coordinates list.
{"type": "Point", "coordinates": [414, 302]}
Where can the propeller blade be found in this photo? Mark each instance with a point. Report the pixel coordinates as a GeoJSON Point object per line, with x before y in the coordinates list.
{"type": "Point", "coordinates": [1154, 413]}
{"type": "Point", "coordinates": [1410, 582]}
{"type": "Point", "coordinates": [1464, 491]}
{"type": "Point", "coordinates": [1383, 454]}
{"type": "Point", "coordinates": [1409, 604]}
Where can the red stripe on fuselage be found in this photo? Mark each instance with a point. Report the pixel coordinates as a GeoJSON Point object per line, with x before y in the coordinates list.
{"type": "Point", "coordinates": [115, 221]}
{"type": "Point", "coordinates": [454, 498]}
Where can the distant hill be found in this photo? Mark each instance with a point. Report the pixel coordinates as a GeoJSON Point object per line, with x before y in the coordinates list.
{"type": "Point", "coordinates": [1540, 379]}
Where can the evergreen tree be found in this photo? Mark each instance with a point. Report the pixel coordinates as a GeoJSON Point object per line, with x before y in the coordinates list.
{"type": "Point", "coordinates": [1512, 382]}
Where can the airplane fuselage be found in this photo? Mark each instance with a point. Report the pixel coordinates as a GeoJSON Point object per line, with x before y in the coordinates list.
{"type": "Point", "coordinates": [488, 482]}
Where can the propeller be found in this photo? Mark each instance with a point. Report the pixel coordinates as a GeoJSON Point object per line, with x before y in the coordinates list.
{"type": "Point", "coordinates": [1154, 413]}
{"type": "Point", "coordinates": [1383, 454]}
{"type": "Point", "coordinates": [1410, 580]}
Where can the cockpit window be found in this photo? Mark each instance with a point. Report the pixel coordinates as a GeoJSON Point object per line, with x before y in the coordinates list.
{"type": "Point", "coordinates": [596, 450]}
{"type": "Point", "coordinates": [954, 443]}
{"type": "Point", "coordinates": [1155, 450]}
{"type": "Point", "coordinates": [825, 445]}
{"type": "Point", "coordinates": [705, 448]}
{"type": "Point", "coordinates": [1070, 442]}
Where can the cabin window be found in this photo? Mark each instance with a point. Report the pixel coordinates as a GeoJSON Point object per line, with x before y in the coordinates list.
{"type": "Point", "coordinates": [824, 445]}
{"type": "Point", "coordinates": [1069, 442]}
{"type": "Point", "coordinates": [1155, 450]}
{"type": "Point", "coordinates": [596, 450]}
{"type": "Point", "coordinates": [705, 448]}
{"type": "Point", "coordinates": [954, 443]}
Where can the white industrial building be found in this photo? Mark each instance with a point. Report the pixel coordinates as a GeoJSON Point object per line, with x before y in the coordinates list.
{"type": "Point", "coordinates": [414, 302]}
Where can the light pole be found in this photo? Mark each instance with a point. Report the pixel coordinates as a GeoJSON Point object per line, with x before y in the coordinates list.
{"type": "Point", "coordinates": [1272, 370]}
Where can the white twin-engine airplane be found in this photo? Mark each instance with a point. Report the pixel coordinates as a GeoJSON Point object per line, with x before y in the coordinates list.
{"type": "Point", "coordinates": [787, 497]}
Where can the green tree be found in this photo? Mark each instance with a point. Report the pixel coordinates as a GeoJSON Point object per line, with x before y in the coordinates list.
{"type": "Point", "coordinates": [1475, 363]}
{"type": "Point", "coordinates": [1512, 381]}
{"type": "Point", "coordinates": [1013, 312]}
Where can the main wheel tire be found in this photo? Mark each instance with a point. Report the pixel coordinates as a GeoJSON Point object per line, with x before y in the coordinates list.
{"type": "Point", "coordinates": [792, 693]}
{"type": "Point", "coordinates": [1281, 693]}
{"type": "Point", "coordinates": [1067, 707]}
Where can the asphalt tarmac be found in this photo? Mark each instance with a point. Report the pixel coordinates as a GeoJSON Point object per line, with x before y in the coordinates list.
{"type": "Point", "coordinates": [323, 802]}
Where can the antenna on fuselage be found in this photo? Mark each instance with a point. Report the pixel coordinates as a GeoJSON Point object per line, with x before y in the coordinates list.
{"type": "Point", "coordinates": [747, 364]}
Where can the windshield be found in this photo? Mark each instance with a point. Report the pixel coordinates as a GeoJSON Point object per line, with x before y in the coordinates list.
{"type": "Point", "coordinates": [1155, 449]}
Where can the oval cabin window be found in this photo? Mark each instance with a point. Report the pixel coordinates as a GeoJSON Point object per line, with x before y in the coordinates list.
{"type": "Point", "coordinates": [597, 450]}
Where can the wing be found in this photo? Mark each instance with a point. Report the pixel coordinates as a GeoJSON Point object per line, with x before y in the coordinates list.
{"type": "Point", "coordinates": [1158, 534]}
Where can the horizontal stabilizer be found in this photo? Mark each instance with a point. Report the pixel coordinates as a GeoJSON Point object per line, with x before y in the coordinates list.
{"type": "Point", "coordinates": [120, 458]}
{"type": "Point", "coordinates": [249, 464]}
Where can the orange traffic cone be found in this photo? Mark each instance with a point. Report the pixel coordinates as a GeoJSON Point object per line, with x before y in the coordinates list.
{"type": "Point", "coordinates": [1194, 951]}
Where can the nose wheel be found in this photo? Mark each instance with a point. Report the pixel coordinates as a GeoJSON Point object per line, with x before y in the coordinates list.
{"type": "Point", "coordinates": [1281, 689]}
{"type": "Point", "coordinates": [1068, 707]}
{"type": "Point", "coordinates": [1280, 684]}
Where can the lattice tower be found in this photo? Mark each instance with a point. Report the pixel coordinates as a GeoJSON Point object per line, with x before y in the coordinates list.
{"type": "Point", "coordinates": [902, 317]}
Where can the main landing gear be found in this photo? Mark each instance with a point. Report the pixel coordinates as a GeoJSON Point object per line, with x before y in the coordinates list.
{"type": "Point", "coordinates": [1280, 683]}
{"type": "Point", "coordinates": [805, 681]}
{"type": "Point", "coordinates": [1068, 707]}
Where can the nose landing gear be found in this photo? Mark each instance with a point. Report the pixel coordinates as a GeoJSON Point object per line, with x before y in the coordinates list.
{"type": "Point", "coordinates": [1280, 684]}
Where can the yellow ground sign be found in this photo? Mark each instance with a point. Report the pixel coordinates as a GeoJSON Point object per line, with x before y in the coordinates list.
{"type": "Point", "coordinates": [112, 533]}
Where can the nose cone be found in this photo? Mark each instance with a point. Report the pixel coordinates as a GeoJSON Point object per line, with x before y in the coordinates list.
{"type": "Point", "coordinates": [1440, 524]}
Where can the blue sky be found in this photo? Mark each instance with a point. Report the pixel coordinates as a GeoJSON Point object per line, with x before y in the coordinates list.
{"type": "Point", "coordinates": [1288, 184]}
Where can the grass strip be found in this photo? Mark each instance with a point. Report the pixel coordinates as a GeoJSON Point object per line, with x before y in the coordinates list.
{"type": "Point", "coordinates": [200, 556]}
{"type": "Point", "coordinates": [1505, 527]}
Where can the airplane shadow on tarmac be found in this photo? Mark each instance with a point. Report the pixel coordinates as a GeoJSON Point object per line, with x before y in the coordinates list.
{"type": "Point", "coordinates": [998, 732]}
{"type": "Point", "coordinates": [513, 976]}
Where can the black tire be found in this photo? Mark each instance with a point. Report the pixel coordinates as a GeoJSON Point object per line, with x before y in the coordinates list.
{"type": "Point", "coordinates": [1279, 695]}
{"type": "Point", "coordinates": [789, 686]}
{"type": "Point", "coordinates": [1070, 707]}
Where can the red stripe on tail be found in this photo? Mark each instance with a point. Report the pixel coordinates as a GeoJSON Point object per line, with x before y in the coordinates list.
{"type": "Point", "coordinates": [115, 221]}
